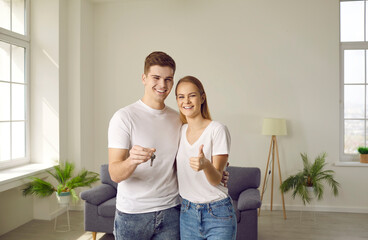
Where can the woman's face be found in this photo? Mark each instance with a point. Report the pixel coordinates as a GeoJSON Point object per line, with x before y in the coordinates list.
{"type": "Point", "coordinates": [189, 100]}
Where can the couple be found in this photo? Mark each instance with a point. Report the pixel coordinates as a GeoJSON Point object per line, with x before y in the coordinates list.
{"type": "Point", "coordinates": [144, 140]}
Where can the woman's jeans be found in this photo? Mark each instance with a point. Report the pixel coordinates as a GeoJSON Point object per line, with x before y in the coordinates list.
{"type": "Point", "coordinates": [212, 221]}
{"type": "Point", "coordinates": [160, 225]}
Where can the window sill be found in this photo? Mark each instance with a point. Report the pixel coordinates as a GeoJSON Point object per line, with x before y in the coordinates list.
{"type": "Point", "coordinates": [18, 176]}
{"type": "Point", "coordinates": [350, 164]}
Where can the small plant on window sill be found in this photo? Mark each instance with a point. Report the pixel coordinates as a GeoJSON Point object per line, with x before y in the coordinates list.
{"type": "Point", "coordinates": [310, 179]}
{"type": "Point", "coordinates": [63, 173]}
{"type": "Point", "coordinates": [363, 154]}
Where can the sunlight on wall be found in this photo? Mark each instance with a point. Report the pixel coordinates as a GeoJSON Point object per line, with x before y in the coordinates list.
{"type": "Point", "coordinates": [50, 58]}
{"type": "Point", "coordinates": [50, 131]}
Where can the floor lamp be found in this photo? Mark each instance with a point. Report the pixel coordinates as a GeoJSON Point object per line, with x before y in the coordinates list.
{"type": "Point", "coordinates": [273, 127]}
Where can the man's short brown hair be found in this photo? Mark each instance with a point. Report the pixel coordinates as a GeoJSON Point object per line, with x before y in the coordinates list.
{"type": "Point", "coordinates": [158, 58]}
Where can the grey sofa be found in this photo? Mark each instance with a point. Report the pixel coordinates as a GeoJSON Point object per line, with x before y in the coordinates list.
{"type": "Point", "coordinates": [243, 188]}
{"type": "Point", "coordinates": [100, 205]}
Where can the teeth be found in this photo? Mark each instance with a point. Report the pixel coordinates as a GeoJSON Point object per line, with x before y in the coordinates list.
{"type": "Point", "coordinates": [187, 107]}
{"type": "Point", "coordinates": [161, 91]}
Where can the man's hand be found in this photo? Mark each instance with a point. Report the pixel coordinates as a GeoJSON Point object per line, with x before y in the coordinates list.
{"type": "Point", "coordinates": [225, 176]}
{"type": "Point", "coordinates": [200, 162]}
{"type": "Point", "coordinates": [138, 154]}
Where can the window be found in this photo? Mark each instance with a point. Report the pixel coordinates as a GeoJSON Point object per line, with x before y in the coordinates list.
{"type": "Point", "coordinates": [353, 55]}
{"type": "Point", "coordinates": [14, 82]}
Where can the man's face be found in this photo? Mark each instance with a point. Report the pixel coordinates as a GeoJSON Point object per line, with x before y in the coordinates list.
{"type": "Point", "coordinates": [158, 83]}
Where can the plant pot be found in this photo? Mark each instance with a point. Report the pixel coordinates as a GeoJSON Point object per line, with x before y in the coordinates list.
{"type": "Point", "coordinates": [63, 198]}
{"type": "Point", "coordinates": [364, 158]}
{"type": "Point", "coordinates": [309, 189]}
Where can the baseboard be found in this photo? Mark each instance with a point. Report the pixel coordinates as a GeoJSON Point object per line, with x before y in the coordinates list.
{"type": "Point", "coordinates": [316, 208]}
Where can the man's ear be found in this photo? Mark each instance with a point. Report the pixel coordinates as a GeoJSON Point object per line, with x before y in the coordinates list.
{"type": "Point", "coordinates": [144, 78]}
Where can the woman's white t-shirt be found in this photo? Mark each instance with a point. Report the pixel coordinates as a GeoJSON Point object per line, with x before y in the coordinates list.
{"type": "Point", "coordinates": [194, 186]}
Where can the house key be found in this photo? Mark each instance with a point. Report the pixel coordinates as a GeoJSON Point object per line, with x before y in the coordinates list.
{"type": "Point", "coordinates": [152, 158]}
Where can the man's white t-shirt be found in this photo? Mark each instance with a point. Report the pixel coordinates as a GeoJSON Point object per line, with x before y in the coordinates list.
{"type": "Point", "coordinates": [194, 186]}
{"type": "Point", "coordinates": [149, 188]}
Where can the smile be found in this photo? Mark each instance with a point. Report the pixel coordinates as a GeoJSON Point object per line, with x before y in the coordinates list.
{"type": "Point", "coordinates": [188, 107]}
{"type": "Point", "coordinates": [160, 91]}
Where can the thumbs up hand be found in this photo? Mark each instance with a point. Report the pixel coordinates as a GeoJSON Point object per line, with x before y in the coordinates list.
{"type": "Point", "coordinates": [199, 163]}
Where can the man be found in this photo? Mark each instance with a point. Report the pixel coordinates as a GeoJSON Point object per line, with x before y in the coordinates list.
{"type": "Point", "coordinates": [147, 197]}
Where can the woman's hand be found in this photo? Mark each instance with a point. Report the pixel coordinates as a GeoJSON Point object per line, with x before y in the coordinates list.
{"type": "Point", "coordinates": [199, 163]}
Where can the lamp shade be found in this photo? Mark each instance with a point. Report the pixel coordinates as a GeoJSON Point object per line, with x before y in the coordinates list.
{"type": "Point", "coordinates": [274, 126]}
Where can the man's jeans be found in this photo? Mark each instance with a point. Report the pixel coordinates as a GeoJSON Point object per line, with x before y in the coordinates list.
{"type": "Point", "coordinates": [212, 221]}
{"type": "Point", "coordinates": [160, 225]}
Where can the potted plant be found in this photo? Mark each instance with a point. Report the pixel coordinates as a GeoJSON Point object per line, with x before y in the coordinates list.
{"type": "Point", "coordinates": [63, 174]}
{"type": "Point", "coordinates": [363, 154]}
{"type": "Point", "coordinates": [311, 179]}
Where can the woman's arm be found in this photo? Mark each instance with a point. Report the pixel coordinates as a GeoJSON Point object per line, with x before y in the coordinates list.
{"type": "Point", "coordinates": [213, 171]}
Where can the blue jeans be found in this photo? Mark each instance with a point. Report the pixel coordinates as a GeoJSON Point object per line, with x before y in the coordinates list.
{"type": "Point", "coordinates": [212, 221]}
{"type": "Point", "coordinates": [154, 225]}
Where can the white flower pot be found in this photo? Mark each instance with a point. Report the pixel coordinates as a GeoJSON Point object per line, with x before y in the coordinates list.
{"type": "Point", "coordinates": [310, 189]}
{"type": "Point", "coordinates": [63, 198]}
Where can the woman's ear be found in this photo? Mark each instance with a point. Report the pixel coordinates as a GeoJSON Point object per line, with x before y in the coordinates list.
{"type": "Point", "coordinates": [203, 98]}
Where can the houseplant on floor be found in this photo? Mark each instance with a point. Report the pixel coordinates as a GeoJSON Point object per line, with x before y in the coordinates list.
{"type": "Point", "coordinates": [363, 154]}
{"type": "Point", "coordinates": [63, 173]}
{"type": "Point", "coordinates": [312, 177]}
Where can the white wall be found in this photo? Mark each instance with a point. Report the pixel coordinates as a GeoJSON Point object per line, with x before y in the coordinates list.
{"type": "Point", "coordinates": [15, 209]}
{"type": "Point", "coordinates": [256, 59]}
{"type": "Point", "coordinates": [87, 86]}
{"type": "Point", "coordinates": [44, 79]}
{"type": "Point", "coordinates": [79, 69]}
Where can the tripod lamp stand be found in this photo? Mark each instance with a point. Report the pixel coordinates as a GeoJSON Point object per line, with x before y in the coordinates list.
{"type": "Point", "coordinates": [273, 127]}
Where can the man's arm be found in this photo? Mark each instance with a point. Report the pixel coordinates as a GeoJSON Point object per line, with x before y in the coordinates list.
{"type": "Point", "coordinates": [123, 162]}
{"type": "Point", "coordinates": [225, 176]}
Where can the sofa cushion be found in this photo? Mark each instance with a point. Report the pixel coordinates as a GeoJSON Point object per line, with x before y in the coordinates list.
{"type": "Point", "coordinates": [105, 176]}
{"type": "Point", "coordinates": [249, 199]}
{"type": "Point", "coordinates": [107, 209]}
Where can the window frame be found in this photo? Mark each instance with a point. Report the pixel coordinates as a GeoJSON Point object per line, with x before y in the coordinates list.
{"type": "Point", "coordinates": [23, 41]}
{"type": "Point", "coordinates": [26, 36]}
{"type": "Point", "coordinates": [350, 157]}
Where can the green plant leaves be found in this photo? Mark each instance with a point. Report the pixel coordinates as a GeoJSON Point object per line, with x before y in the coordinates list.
{"type": "Point", "coordinates": [363, 150]}
{"type": "Point", "coordinates": [38, 187]}
{"type": "Point", "coordinates": [312, 174]}
{"type": "Point", "coordinates": [63, 174]}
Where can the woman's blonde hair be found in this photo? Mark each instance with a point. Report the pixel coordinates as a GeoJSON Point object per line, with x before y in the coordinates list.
{"type": "Point", "coordinates": [204, 107]}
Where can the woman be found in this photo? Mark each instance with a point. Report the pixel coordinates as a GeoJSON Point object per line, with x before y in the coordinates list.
{"type": "Point", "coordinates": [206, 211]}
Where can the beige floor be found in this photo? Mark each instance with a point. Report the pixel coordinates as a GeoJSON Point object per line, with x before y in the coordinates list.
{"type": "Point", "coordinates": [272, 226]}
{"type": "Point", "coordinates": [312, 225]}
{"type": "Point", "coordinates": [44, 230]}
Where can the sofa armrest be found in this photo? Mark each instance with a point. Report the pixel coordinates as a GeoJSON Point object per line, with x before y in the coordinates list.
{"type": "Point", "coordinates": [249, 199]}
{"type": "Point", "coordinates": [98, 194]}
